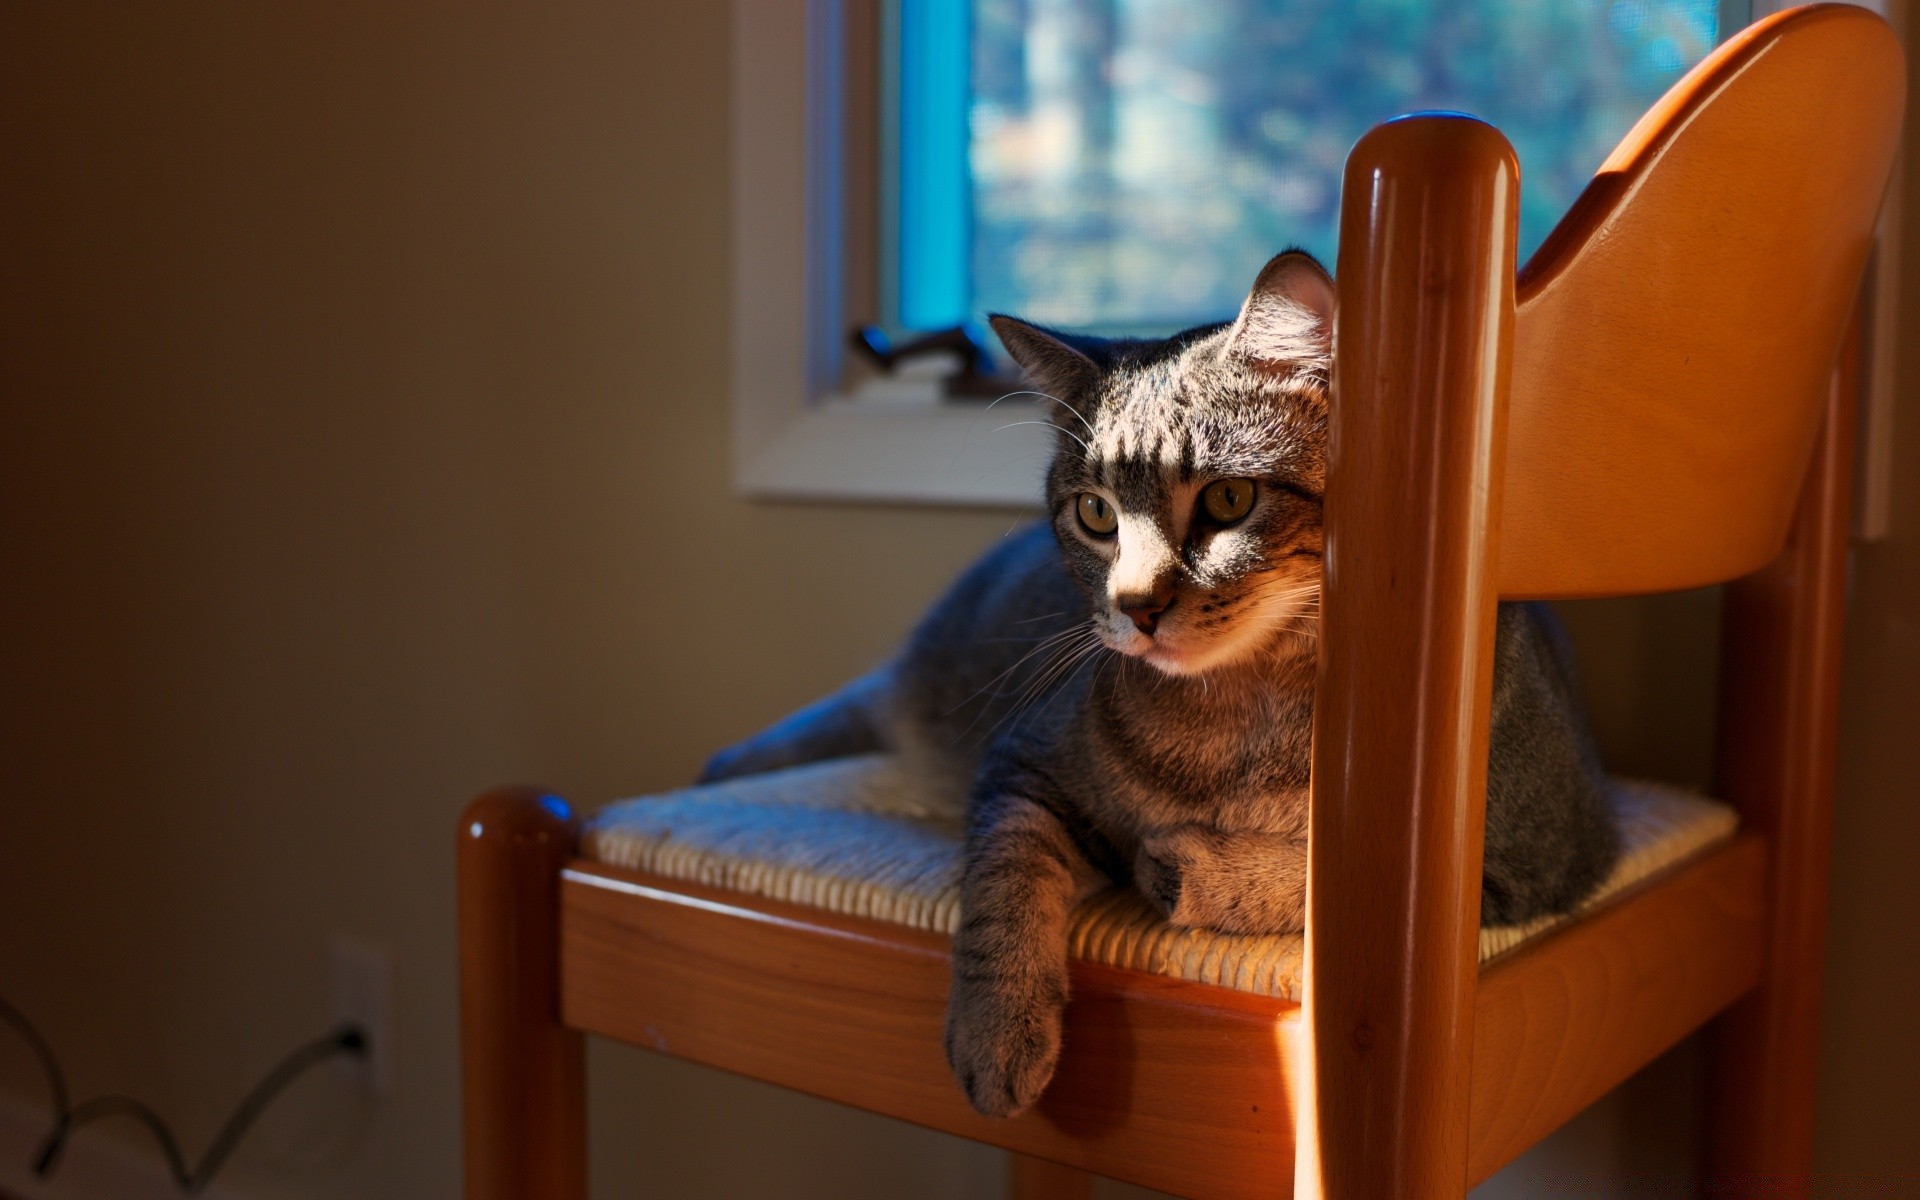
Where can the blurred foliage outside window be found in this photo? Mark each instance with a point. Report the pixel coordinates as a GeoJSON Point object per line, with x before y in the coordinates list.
{"type": "Point", "coordinates": [1129, 164]}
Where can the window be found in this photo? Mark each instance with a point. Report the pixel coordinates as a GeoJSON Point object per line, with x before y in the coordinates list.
{"type": "Point", "coordinates": [1118, 165]}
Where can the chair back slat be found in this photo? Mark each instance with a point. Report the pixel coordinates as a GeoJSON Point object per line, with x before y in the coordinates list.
{"type": "Point", "coordinates": [1675, 334]}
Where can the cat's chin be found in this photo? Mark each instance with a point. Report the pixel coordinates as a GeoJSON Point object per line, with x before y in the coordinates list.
{"type": "Point", "coordinates": [1250, 649]}
{"type": "Point", "coordinates": [1180, 666]}
{"type": "Point", "coordinates": [1162, 656]}
{"type": "Point", "coordinates": [1186, 661]}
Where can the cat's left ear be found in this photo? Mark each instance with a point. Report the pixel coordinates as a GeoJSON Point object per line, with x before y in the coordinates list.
{"type": "Point", "coordinates": [1287, 322]}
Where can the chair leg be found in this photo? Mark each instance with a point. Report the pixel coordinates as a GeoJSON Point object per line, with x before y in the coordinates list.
{"type": "Point", "coordinates": [1780, 718]}
{"type": "Point", "coordinates": [523, 1075]}
{"type": "Point", "coordinates": [1030, 1178]}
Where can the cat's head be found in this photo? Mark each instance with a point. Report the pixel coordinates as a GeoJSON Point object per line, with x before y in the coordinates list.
{"type": "Point", "coordinates": [1186, 487]}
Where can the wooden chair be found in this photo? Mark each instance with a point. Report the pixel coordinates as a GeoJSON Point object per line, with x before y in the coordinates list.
{"type": "Point", "coordinates": [1653, 405]}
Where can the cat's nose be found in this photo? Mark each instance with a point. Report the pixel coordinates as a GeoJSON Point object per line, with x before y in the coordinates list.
{"type": "Point", "coordinates": [1144, 611]}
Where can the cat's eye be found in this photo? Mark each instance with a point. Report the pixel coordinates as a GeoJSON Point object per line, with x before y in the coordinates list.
{"type": "Point", "coordinates": [1227, 500]}
{"type": "Point", "coordinates": [1096, 514]}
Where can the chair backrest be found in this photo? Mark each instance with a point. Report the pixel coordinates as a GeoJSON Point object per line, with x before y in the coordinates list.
{"type": "Point", "coordinates": [1674, 336]}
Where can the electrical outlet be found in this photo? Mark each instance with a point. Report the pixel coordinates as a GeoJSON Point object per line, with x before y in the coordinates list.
{"type": "Point", "coordinates": [363, 996]}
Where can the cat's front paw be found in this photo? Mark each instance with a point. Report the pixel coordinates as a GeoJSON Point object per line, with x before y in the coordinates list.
{"type": "Point", "coordinates": [1169, 870]}
{"type": "Point", "coordinates": [1244, 883]}
{"type": "Point", "coordinates": [1003, 1041]}
{"type": "Point", "coordinates": [1158, 879]}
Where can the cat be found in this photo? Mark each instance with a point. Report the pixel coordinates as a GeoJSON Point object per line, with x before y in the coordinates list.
{"type": "Point", "coordinates": [1124, 692]}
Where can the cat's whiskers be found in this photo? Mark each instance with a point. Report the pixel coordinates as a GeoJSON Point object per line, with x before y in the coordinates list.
{"type": "Point", "coordinates": [1044, 396]}
{"type": "Point", "coordinates": [1002, 641]}
{"type": "Point", "coordinates": [1052, 641]}
{"type": "Point", "coordinates": [1091, 653]}
{"type": "Point", "coordinates": [1041, 617]}
{"type": "Point", "coordinates": [1050, 425]}
{"type": "Point", "coordinates": [1299, 634]}
{"type": "Point", "coordinates": [1056, 648]}
{"type": "Point", "coordinates": [1063, 674]}
{"type": "Point", "coordinates": [1263, 627]}
{"type": "Point", "coordinates": [1024, 514]}
{"type": "Point", "coordinates": [1053, 671]}
{"type": "Point", "coordinates": [1047, 675]}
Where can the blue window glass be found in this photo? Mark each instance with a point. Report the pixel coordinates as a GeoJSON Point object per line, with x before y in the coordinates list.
{"type": "Point", "coordinates": [1128, 164]}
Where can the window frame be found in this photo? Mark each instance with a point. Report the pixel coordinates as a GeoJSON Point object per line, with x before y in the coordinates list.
{"type": "Point", "coordinates": [798, 432]}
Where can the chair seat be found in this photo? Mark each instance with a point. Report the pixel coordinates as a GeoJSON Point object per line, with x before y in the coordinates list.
{"type": "Point", "coordinates": [792, 928]}
{"type": "Point", "coordinates": [859, 837]}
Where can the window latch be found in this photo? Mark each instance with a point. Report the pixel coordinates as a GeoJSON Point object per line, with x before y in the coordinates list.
{"type": "Point", "coordinates": [974, 376]}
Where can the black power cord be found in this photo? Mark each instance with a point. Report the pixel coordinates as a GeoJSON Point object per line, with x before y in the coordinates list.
{"type": "Point", "coordinates": [69, 1117]}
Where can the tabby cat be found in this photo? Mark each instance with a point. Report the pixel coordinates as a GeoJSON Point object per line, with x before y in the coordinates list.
{"type": "Point", "coordinates": [1125, 692]}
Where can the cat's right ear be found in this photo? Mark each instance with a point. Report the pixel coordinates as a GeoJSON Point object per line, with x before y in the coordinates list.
{"type": "Point", "coordinates": [1052, 366]}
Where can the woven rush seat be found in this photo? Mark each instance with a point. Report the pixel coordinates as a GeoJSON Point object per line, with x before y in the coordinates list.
{"type": "Point", "coordinates": [859, 836]}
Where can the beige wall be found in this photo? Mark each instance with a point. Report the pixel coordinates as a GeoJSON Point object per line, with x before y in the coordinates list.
{"type": "Point", "coordinates": [364, 385]}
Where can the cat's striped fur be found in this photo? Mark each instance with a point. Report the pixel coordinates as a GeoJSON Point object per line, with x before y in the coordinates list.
{"type": "Point", "coordinates": [1137, 705]}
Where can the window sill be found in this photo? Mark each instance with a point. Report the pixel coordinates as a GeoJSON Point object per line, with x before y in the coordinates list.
{"type": "Point", "coordinates": [902, 452]}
